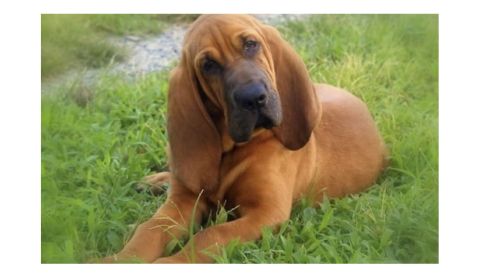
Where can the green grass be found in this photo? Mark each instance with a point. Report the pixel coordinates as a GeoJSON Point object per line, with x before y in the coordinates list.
{"type": "Point", "coordinates": [79, 41]}
{"type": "Point", "coordinates": [93, 155]}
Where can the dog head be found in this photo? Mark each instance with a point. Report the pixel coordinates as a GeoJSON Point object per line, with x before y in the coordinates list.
{"type": "Point", "coordinates": [236, 68]}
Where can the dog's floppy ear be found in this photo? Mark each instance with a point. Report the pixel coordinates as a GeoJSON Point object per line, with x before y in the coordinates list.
{"type": "Point", "coordinates": [300, 105]}
{"type": "Point", "coordinates": [195, 145]}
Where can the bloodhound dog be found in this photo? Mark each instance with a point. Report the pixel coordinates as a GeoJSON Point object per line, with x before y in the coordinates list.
{"type": "Point", "coordinates": [248, 129]}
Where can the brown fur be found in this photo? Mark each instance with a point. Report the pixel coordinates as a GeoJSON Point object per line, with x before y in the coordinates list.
{"type": "Point", "coordinates": [327, 143]}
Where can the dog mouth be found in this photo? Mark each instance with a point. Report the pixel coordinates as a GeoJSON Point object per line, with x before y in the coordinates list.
{"type": "Point", "coordinates": [243, 129]}
{"type": "Point", "coordinates": [243, 122]}
{"type": "Point", "coordinates": [264, 122]}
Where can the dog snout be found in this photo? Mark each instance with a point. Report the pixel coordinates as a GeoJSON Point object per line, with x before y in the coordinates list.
{"type": "Point", "coordinates": [251, 96]}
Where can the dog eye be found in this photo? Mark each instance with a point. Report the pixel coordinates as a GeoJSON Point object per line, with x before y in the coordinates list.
{"type": "Point", "coordinates": [250, 44]}
{"type": "Point", "coordinates": [250, 47]}
{"type": "Point", "coordinates": [210, 66]}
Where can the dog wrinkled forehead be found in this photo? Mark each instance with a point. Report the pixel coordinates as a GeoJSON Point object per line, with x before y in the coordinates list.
{"type": "Point", "coordinates": [220, 32]}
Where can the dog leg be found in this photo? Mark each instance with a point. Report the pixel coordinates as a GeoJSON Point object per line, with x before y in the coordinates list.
{"type": "Point", "coordinates": [270, 212]}
{"type": "Point", "coordinates": [155, 183]}
{"type": "Point", "coordinates": [172, 220]}
{"type": "Point", "coordinates": [208, 241]}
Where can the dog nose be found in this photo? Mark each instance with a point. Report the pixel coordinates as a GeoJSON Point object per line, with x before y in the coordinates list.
{"type": "Point", "coordinates": [251, 96]}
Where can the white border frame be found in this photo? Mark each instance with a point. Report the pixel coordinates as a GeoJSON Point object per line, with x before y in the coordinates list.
{"type": "Point", "coordinates": [20, 147]}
